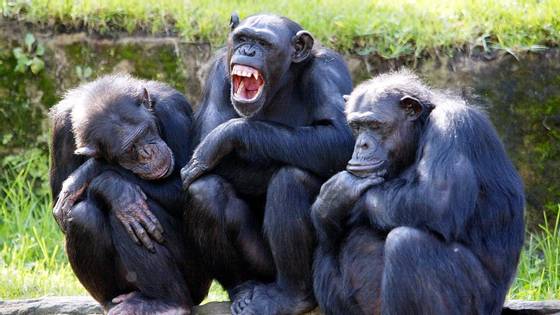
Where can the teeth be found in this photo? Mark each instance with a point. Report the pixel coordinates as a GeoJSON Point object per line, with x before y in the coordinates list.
{"type": "Point", "coordinates": [245, 71]}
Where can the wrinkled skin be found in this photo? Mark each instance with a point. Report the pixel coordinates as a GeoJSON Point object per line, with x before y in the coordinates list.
{"type": "Point", "coordinates": [142, 151]}
{"type": "Point", "coordinates": [428, 212]}
{"type": "Point", "coordinates": [116, 147]}
{"type": "Point", "coordinates": [270, 130]}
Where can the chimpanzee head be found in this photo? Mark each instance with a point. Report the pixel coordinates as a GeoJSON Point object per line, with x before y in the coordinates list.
{"type": "Point", "coordinates": [387, 115]}
{"type": "Point", "coordinates": [261, 52]}
{"type": "Point", "coordinates": [113, 119]}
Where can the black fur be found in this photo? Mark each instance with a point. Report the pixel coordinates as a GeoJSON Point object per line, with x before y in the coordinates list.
{"type": "Point", "coordinates": [441, 232]}
{"type": "Point", "coordinates": [267, 162]}
{"type": "Point", "coordinates": [103, 256]}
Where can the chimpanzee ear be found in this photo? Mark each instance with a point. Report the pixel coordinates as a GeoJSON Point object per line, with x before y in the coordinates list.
{"type": "Point", "coordinates": [87, 151]}
{"type": "Point", "coordinates": [147, 100]}
{"type": "Point", "coordinates": [233, 20]}
{"type": "Point", "coordinates": [411, 105]}
{"type": "Point", "coordinates": [303, 43]}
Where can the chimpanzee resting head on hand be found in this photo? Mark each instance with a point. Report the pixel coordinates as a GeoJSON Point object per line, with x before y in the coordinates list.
{"type": "Point", "coordinates": [116, 146]}
{"type": "Point", "coordinates": [127, 134]}
{"type": "Point", "coordinates": [428, 216]}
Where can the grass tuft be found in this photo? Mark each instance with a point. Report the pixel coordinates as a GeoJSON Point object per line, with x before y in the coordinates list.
{"type": "Point", "coordinates": [390, 29]}
{"type": "Point", "coordinates": [539, 268]}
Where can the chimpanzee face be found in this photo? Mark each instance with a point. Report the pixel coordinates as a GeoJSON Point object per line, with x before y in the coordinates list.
{"type": "Point", "coordinates": [261, 51]}
{"type": "Point", "coordinates": [386, 131]}
{"type": "Point", "coordinates": [126, 132]}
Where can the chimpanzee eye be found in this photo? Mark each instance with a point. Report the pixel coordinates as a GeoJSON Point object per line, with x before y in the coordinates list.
{"type": "Point", "coordinates": [241, 38]}
{"type": "Point", "coordinates": [263, 43]}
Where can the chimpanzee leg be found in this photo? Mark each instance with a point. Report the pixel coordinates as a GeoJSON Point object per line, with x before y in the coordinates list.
{"type": "Point", "coordinates": [291, 236]}
{"type": "Point", "coordinates": [226, 232]}
{"type": "Point", "coordinates": [348, 281]}
{"type": "Point", "coordinates": [158, 279]}
{"type": "Point", "coordinates": [91, 253]}
{"type": "Point", "coordinates": [109, 263]}
{"type": "Point", "coordinates": [423, 275]}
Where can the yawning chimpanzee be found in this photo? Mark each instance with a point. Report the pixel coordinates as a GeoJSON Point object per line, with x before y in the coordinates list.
{"type": "Point", "coordinates": [271, 129]}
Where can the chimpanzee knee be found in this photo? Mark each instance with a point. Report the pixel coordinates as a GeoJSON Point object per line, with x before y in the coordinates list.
{"type": "Point", "coordinates": [85, 218]}
{"type": "Point", "coordinates": [402, 243]}
{"type": "Point", "coordinates": [216, 218]}
{"type": "Point", "coordinates": [203, 193]}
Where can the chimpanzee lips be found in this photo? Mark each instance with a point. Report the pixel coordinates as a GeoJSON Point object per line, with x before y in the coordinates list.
{"type": "Point", "coordinates": [247, 83]}
{"type": "Point", "coordinates": [377, 169]}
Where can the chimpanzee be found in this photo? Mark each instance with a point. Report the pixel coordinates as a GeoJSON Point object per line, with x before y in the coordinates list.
{"type": "Point", "coordinates": [117, 145]}
{"type": "Point", "coordinates": [271, 129]}
{"type": "Point", "coordinates": [427, 218]}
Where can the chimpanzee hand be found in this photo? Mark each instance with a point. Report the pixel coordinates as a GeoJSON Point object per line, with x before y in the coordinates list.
{"type": "Point", "coordinates": [218, 143]}
{"type": "Point", "coordinates": [72, 190]}
{"type": "Point", "coordinates": [133, 212]}
{"type": "Point", "coordinates": [341, 192]}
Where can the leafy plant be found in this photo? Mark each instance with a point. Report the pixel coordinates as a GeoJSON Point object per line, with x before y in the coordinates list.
{"type": "Point", "coordinates": [83, 72]}
{"type": "Point", "coordinates": [29, 56]}
{"type": "Point", "coordinates": [13, 8]}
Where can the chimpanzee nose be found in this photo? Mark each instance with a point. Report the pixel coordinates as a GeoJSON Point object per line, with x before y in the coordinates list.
{"type": "Point", "coordinates": [248, 51]}
{"type": "Point", "coordinates": [363, 145]}
{"type": "Point", "coordinates": [145, 152]}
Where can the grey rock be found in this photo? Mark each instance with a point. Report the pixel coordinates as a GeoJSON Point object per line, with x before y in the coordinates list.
{"type": "Point", "coordinates": [519, 307]}
{"type": "Point", "coordinates": [82, 305]}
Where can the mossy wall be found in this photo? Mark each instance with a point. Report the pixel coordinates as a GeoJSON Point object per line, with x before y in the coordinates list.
{"type": "Point", "coordinates": [520, 93]}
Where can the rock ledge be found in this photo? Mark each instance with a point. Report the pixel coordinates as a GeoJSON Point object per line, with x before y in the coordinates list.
{"type": "Point", "coordinates": [81, 305]}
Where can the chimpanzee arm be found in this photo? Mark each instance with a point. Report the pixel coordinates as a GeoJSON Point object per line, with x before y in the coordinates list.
{"type": "Point", "coordinates": [439, 195]}
{"type": "Point", "coordinates": [63, 160]}
{"type": "Point", "coordinates": [332, 207]}
{"type": "Point", "coordinates": [322, 147]}
{"type": "Point", "coordinates": [167, 192]}
{"type": "Point", "coordinates": [129, 205]}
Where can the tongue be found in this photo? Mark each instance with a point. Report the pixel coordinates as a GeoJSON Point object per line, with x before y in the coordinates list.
{"type": "Point", "coordinates": [251, 84]}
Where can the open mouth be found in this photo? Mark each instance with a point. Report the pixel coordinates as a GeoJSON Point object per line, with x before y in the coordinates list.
{"type": "Point", "coordinates": [247, 83]}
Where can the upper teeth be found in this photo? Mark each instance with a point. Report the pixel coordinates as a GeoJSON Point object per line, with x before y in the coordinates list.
{"type": "Point", "coordinates": [245, 71]}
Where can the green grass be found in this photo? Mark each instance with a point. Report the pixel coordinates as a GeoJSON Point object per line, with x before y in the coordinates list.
{"type": "Point", "coordinates": [32, 258]}
{"type": "Point", "coordinates": [539, 269]}
{"type": "Point", "coordinates": [33, 262]}
{"type": "Point", "coordinates": [388, 28]}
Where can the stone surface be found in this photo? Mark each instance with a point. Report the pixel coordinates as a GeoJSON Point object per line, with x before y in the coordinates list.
{"type": "Point", "coordinates": [71, 305]}
{"type": "Point", "coordinates": [81, 305]}
{"type": "Point", "coordinates": [518, 307]}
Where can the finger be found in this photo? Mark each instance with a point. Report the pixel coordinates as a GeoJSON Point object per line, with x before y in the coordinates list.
{"type": "Point", "coordinates": [369, 182]}
{"type": "Point", "coordinates": [120, 298]}
{"type": "Point", "coordinates": [143, 236]}
{"type": "Point", "coordinates": [59, 218]}
{"type": "Point", "coordinates": [142, 193]}
{"type": "Point", "coordinates": [185, 172]}
{"type": "Point", "coordinates": [151, 228]}
{"type": "Point", "coordinates": [154, 220]}
{"type": "Point", "coordinates": [130, 232]}
{"type": "Point", "coordinates": [189, 179]}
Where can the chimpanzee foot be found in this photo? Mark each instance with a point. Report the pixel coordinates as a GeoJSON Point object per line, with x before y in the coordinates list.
{"type": "Point", "coordinates": [241, 296]}
{"type": "Point", "coordinates": [269, 299]}
{"type": "Point", "coordinates": [135, 303]}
